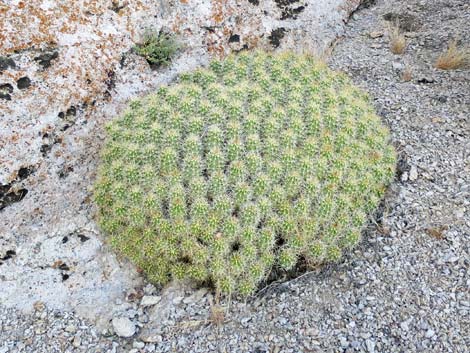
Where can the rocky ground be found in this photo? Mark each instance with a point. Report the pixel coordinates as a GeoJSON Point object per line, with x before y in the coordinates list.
{"type": "Point", "coordinates": [404, 289]}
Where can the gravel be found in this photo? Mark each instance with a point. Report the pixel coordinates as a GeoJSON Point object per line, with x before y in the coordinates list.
{"type": "Point", "coordinates": [404, 289]}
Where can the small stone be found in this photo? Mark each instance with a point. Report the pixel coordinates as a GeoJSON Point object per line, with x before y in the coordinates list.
{"type": "Point", "coordinates": [70, 329]}
{"type": "Point", "coordinates": [149, 300]}
{"type": "Point", "coordinates": [404, 326]}
{"type": "Point", "coordinates": [149, 289]}
{"type": "Point", "coordinates": [133, 350]}
{"type": "Point", "coordinates": [312, 331]}
{"type": "Point", "coordinates": [40, 331]}
{"type": "Point", "coordinates": [413, 173]}
{"type": "Point", "coordinates": [149, 338]}
{"type": "Point", "coordinates": [39, 306]}
{"type": "Point", "coordinates": [370, 345]}
{"type": "Point", "coordinates": [77, 341]}
{"type": "Point", "coordinates": [426, 79]}
{"type": "Point", "coordinates": [138, 344]}
{"type": "Point", "coordinates": [23, 83]}
{"type": "Point", "coordinates": [376, 34]}
{"type": "Point", "coordinates": [355, 344]}
{"type": "Point", "coordinates": [123, 327]}
{"type": "Point", "coordinates": [177, 300]}
{"type": "Point", "coordinates": [131, 313]}
{"type": "Point", "coordinates": [404, 177]}
{"type": "Point", "coordinates": [430, 333]}
{"type": "Point", "coordinates": [397, 66]}
{"type": "Point", "coordinates": [459, 213]}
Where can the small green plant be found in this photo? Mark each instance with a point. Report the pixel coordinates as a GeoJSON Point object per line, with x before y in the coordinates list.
{"type": "Point", "coordinates": [259, 161]}
{"type": "Point", "coordinates": [157, 48]}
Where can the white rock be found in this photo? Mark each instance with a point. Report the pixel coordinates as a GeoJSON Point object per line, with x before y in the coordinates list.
{"type": "Point", "coordinates": [376, 34]}
{"type": "Point", "coordinates": [177, 300]}
{"type": "Point", "coordinates": [123, 327]}
{"type": "Point", "coordinates": [413, 173]}
{"type": "Point", "coordinates": [77, 341]}
{"type": "Point", "coordinates": [398, 66]}
{"type": "Point", "coordinates": [149, 338]}
{"type": "Point", "coordinates": [404, 177]}
{"type": "Point", "coordinates": [70, 329]}
{"type": "Point", "coordinates": [459, 213]}
{"type": "Point", "coordinates": [138, 344]}
{"type": "Point", "coordinates": [370, 346]}
{"type": "Point", "coordinates": [149, 300]}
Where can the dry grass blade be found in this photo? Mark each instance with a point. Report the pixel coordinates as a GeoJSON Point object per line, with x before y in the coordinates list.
{"type": "Point", "coordinates": [437, 232]}
{"type": "Point", "coordinates": [453, 58]}
{"type": "Point", "coordinates": [217, 316]}
{"type": "Point", "coordinates": [217, 313]}
{"type": "Point", "coordinates": [397, 39]}
{"type": "Point", "coordinates": [407, 74]}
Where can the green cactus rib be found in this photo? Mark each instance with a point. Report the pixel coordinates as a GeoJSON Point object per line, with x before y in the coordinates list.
{"type": "Point", "coordinates": [253, 163]}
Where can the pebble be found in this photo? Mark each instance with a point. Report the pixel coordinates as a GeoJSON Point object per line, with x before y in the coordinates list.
{"type": "Point", "coordinates": [413, 173]}
{"type": "Point", "coordinates": [123, 327]}
{"type": "Point", "coordinates": [344, 342]}
{"type": "Point", "coordinates": [376, 34]}
{"type": "Point", "coordinates": [404, 326]}
{"type": "Point", "coordinates": [149, 300]}
{"type": "Point", "coordinates": [151, 338]}
{"type": "Point", "coordinates": [355, 344]}
{"type": "Point", "coordinates": [397, 66]}
{"type": "Point", "coordinates": [370, 346]}
{"type": "Point", "coordinates": [430, 333]}
{"type": "Point", "coordinates": [70, 329]}
{"type": "Point", "coordinates": [77, 341]}
{"type": "Point", "coordinates": [138, 344]}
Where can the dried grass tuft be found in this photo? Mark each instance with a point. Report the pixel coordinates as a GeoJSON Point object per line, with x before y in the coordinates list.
{"type": "Point", "coordinates": [397, 39]}
{"type": "Point", "coordinates": [453, 58]}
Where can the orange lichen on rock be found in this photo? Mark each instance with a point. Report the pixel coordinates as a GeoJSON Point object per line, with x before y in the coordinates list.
{"type": "Point", "coordinates": [220, 10]}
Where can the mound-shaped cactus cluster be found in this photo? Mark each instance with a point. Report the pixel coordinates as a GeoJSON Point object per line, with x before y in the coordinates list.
{"type": "Point", "coordinates": [256, 162]}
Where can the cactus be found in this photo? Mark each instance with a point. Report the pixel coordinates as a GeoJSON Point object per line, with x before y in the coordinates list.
{"type": "Point", "coordinates": [256, 162]}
